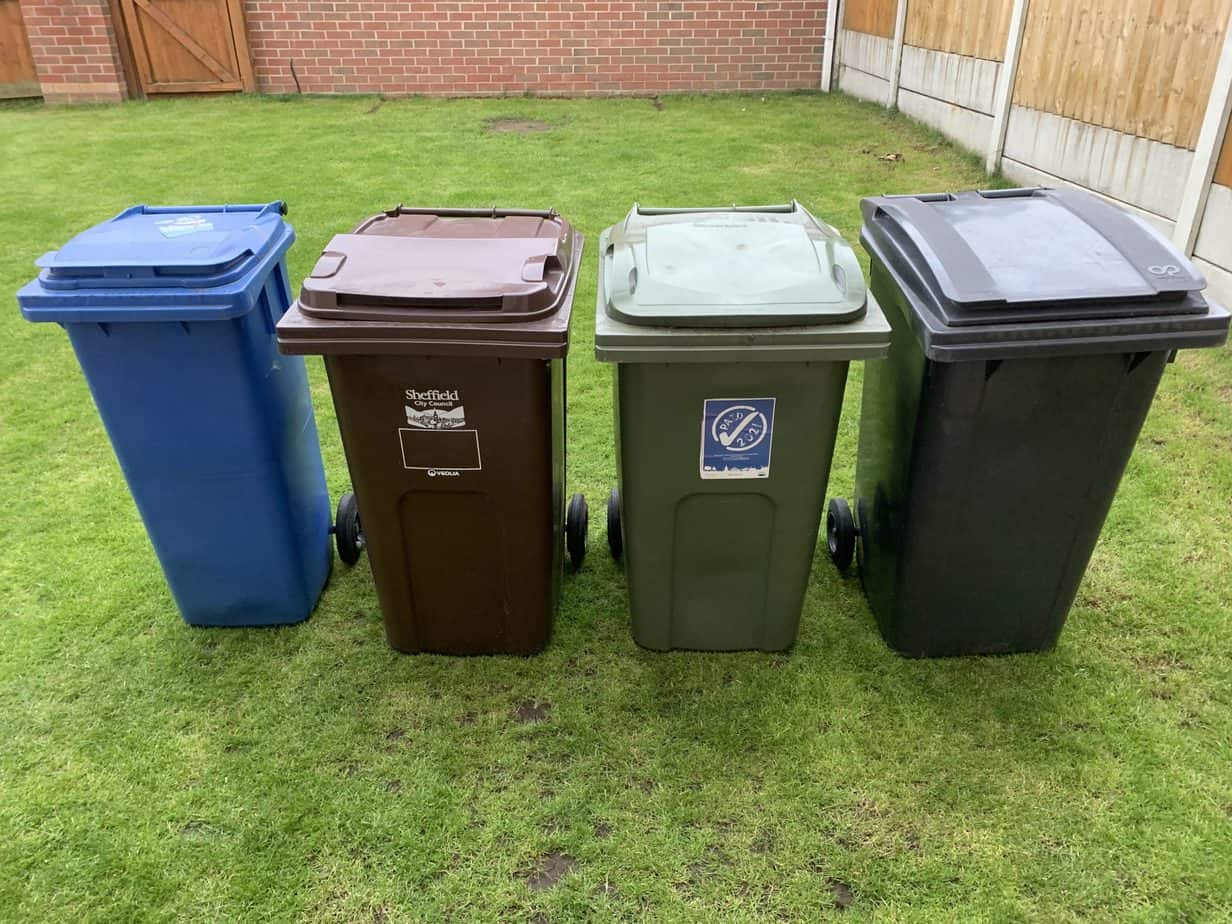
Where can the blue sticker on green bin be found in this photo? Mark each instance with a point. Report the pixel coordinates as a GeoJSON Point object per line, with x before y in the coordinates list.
{"type": "Point", "coordinates": [184, 224]}
{"type": "Point", "coordinates": [737, 434]}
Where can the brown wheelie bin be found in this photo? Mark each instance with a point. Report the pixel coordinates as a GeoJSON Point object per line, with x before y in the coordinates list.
{"type": "Point", "coordinates": [444, 333]}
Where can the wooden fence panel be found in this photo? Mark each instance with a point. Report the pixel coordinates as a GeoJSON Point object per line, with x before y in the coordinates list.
{"type": "Point", "coordinates": [1144, 67]}
{"type": "Point", "coordinates": [1223, 172]}
{"type": "Point", "coordinates": [975, 28]}
{"type": "Point", "coordinates": [876, 17]}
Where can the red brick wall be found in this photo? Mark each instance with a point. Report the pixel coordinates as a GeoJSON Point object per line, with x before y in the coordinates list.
{"type": "Point", "coordinates": [74, 50]}
{"type": "Point", "coordinates": [575, 47]}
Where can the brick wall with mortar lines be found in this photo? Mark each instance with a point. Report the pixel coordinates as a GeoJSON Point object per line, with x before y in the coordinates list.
{"type": "Point", "coordinates": [74, 50]}
{"type": "Point", "coordinates": [583, 47]}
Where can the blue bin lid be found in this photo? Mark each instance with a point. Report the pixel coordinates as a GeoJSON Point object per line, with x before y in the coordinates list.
{"type": "Point", "coordinates": [165, 247]}
{"type": "Point", "coordinates": [154, 263]}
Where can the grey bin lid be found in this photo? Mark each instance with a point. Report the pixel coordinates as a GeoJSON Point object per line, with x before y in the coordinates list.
{"type": "Point", "coordinates": [1007, 272]}
{"type": "Point", "coordinates": [753, 283]}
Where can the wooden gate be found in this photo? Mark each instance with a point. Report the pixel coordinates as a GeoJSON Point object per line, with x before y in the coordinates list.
{"type": "Point", "coordinates": [188, 46]}
{"type": "Point", "coordinates": [17, 74]}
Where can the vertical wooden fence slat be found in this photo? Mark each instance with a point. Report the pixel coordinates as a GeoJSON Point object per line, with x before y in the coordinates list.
{"type": "Point", "coordinates": [1223, 171]}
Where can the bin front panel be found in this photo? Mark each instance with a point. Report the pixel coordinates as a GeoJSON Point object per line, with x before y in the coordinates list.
{"type": "Point", "coordinates": [722, 563]}
{"type": "Point", "coordinates": [456, 467]}
{"type": "Point", "coordinates": [215, 433]}
{"type": "Point", "coordinates": [982, 487]}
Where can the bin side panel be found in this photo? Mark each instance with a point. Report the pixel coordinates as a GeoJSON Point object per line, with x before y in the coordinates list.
{"type": "Point", "coordinates": [556, 370]}
{"type": "Point", "coordinates": [717, 563]}
{"type": "Point", "coordinates": [215, 434]}
{"type": "Point", "coordinates": [451, 461]}
{"type": "Point", "coordinates": [1018, 463]}
{"type": "Point", "coordinates": [885, 459]}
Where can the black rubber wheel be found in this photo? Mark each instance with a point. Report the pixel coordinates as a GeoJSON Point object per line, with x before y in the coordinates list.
{"type": "Point", "coordinates": [615, 539]}
{"type": "Point", "coordinates": [577, 529]}
{"type": "Point", "coordinates": [840, 533]}
{"type": "Point", "coordinates": [348, 533]}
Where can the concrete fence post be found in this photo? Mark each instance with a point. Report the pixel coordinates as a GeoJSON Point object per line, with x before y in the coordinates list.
{"type": "Point", "coordinates": [1206, 152]}
{"type": "Point", "coordinates": [896, 62]}
{"type": "Point", "coordinates": [1004, 96]}
{"type": "Point", "coordinates": [831, 39]}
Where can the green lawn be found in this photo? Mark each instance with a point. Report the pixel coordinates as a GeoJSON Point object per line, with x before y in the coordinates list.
{"type": "Point", "coordinates": [151, 771]}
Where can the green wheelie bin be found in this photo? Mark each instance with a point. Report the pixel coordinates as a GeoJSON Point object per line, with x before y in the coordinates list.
{"type": "Point", "coordinates": [730, 331]}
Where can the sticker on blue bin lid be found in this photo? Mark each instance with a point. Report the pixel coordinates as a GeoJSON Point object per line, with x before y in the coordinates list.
{"type": "Point", "coordinates": [184, 224]}
{"type": "Point", "coordinates": [737, 434]}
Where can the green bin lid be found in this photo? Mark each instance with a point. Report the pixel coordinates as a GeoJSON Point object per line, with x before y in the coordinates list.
{"type": "Point", "coordinates": [735, 267]}
{"type": "Point", "coordinates": [767, 283]}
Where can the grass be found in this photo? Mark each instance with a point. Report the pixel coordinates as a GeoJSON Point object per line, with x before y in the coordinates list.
{"type": "Point", "coordinates": [151, 771]}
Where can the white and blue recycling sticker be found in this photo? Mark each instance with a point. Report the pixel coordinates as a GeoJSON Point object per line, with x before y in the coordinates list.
{"type": "Point", "coordinates": [183, 224]}
{"type": "Point", "coordinates": [737, 434]}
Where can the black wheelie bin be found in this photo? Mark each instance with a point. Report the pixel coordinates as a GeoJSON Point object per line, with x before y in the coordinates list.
{"type": "Point", "coordinates": [1030, 331]}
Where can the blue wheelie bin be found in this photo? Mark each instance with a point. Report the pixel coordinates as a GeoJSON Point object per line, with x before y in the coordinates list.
{"type": "Point", "coordinates": [171, 313]}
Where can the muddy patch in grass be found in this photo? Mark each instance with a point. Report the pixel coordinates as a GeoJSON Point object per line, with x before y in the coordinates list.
{"type": "Point", "coordinates": [844, 898]}
{"type": "Point", "coordinates": [549, 870]}
{"type": "Point", "coordinates": [529, 711]}
{"type": "Point", "coordinates": [519, 126]}
{"type": "Point", "coordinates": [196, 830]}
{"type": "Point", "coordinates": [712, 860]}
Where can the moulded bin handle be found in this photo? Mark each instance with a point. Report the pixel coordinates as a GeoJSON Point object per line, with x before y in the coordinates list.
{"type": "Point", "coordinates": [535, 268]}
{"type": "Point", "coordinates": [493, 212]}
{"type": "Point", "coordinates": [783, 208]}
{"type": "Point", "coordinates": [277, 207]}
{"type": "Point", "coordinates": [627, 273]}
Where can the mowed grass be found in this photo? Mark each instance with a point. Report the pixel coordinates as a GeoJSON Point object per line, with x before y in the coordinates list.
{"type": "Point", "coordinates": [150, 771]}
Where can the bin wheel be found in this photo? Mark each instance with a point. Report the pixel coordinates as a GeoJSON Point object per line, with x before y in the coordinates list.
{"type": "Point", "coordinates": [840, 533]}
{"type": "Point", "coordinates": [577, 526]}
{"type": "Point", "coordinates": [348, 533]}
{"type": "Point", "coordinates": [615, 539]}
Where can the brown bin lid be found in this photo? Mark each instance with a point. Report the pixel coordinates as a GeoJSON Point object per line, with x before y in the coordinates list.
{"type": "Point", "coordinates": [432, 276]}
